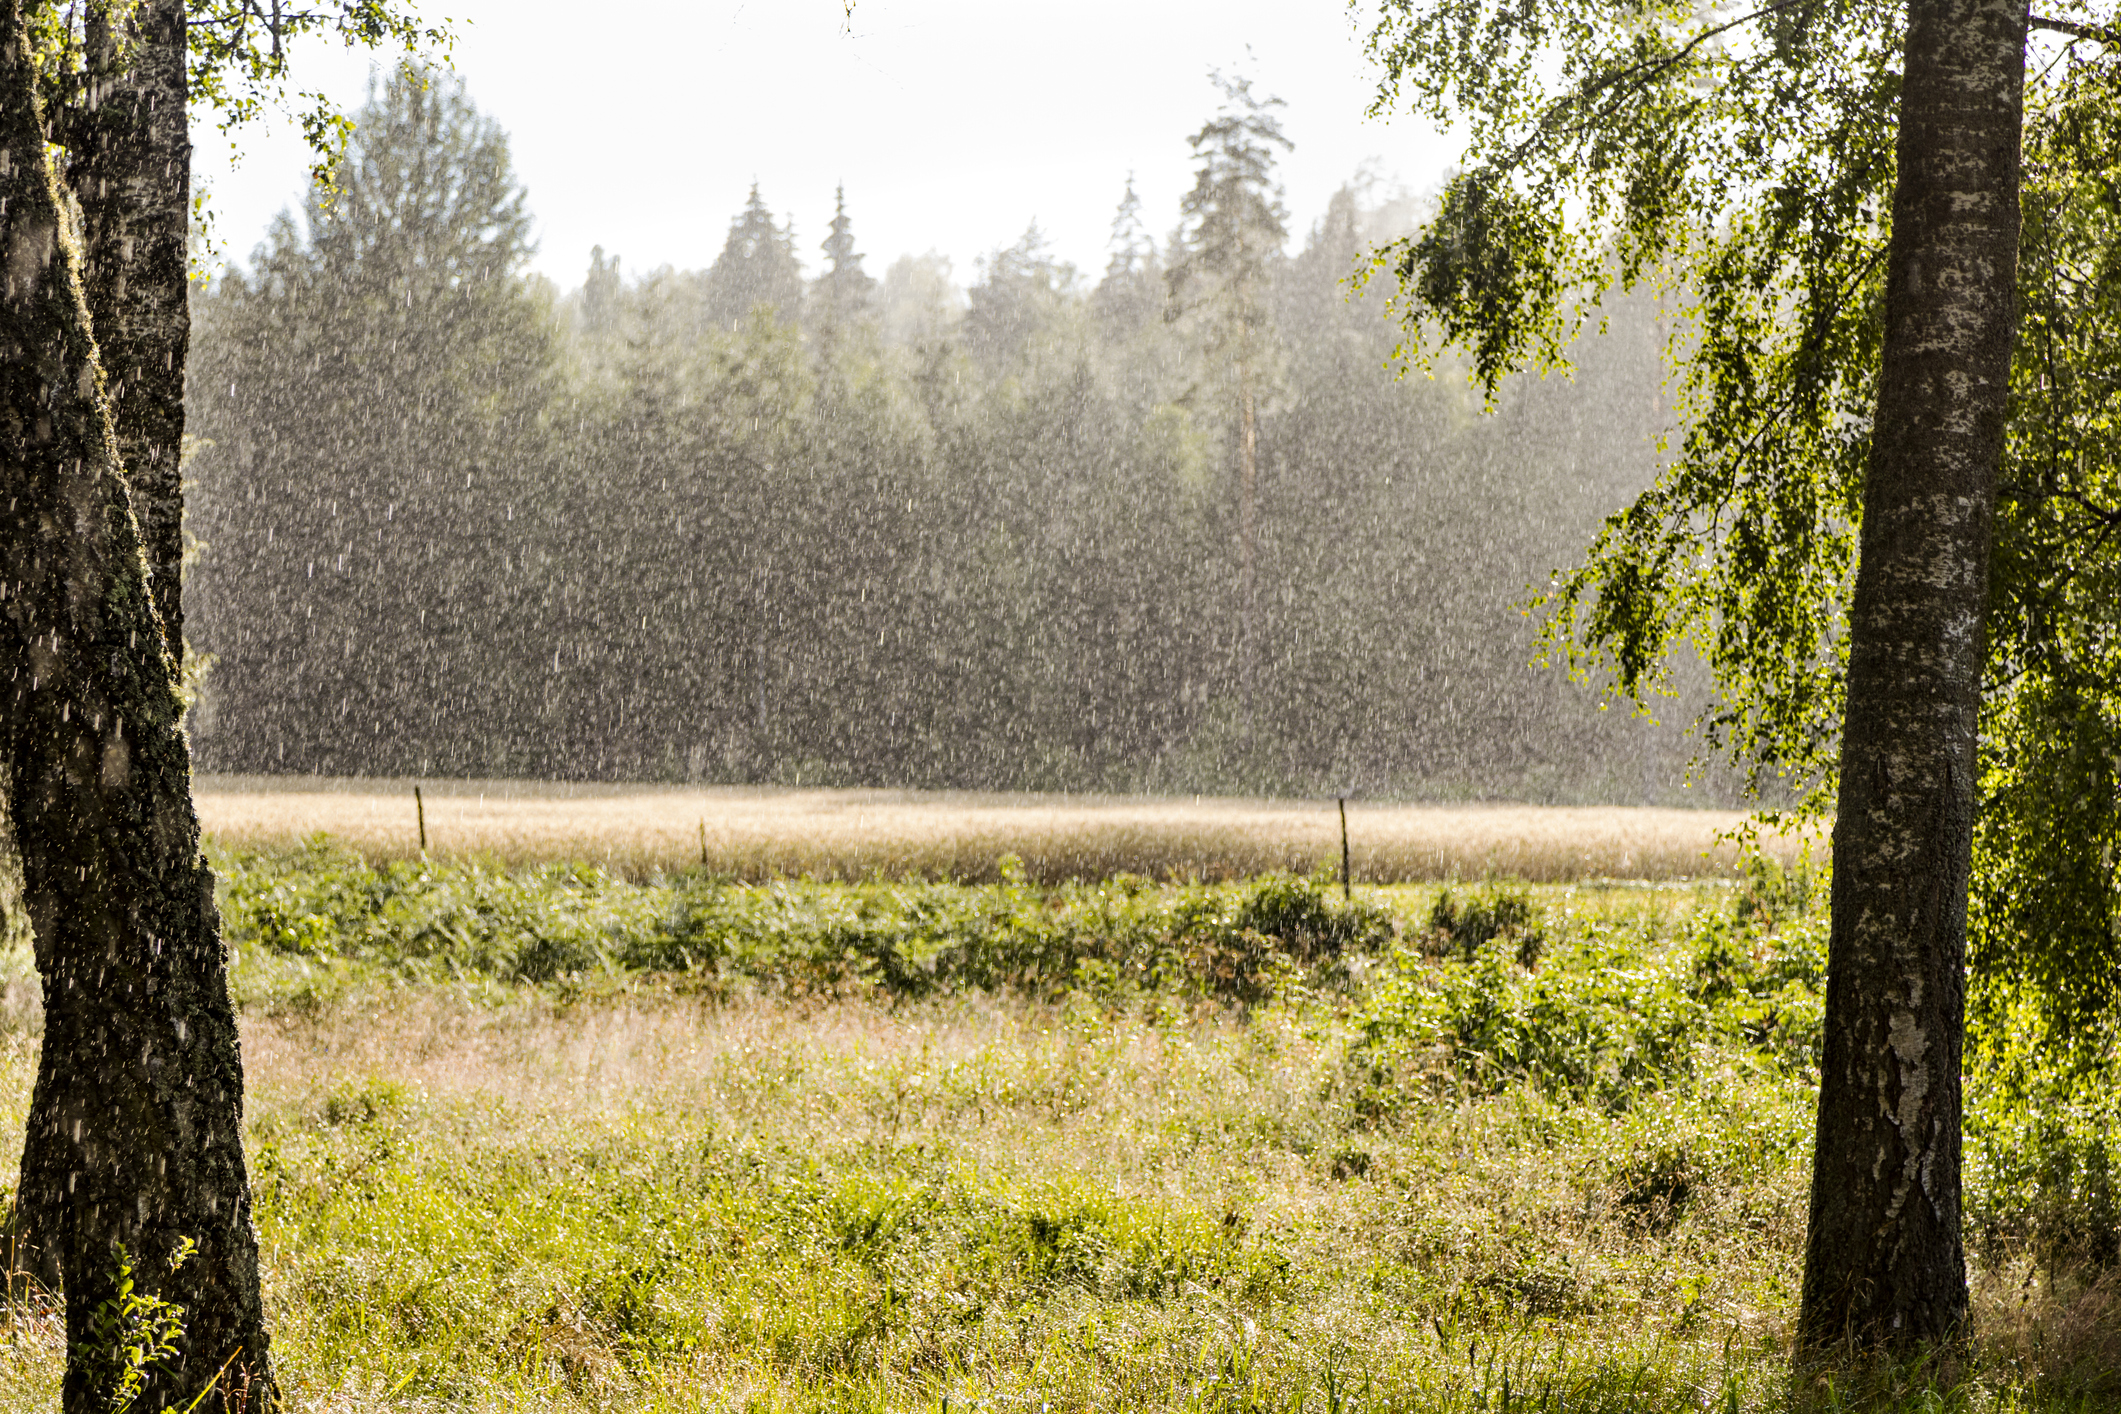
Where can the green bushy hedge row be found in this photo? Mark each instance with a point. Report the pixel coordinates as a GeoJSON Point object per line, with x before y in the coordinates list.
{"type": "Point", "coordinates": [432, 922]}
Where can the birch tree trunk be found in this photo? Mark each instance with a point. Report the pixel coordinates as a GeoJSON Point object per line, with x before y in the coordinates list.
{"type": "Point", "coordinates": [135, 1136]}
{"type": "Point", "coordinates": [1884, 1264]}
{"type": "Point", "coordinates": [130, 170]}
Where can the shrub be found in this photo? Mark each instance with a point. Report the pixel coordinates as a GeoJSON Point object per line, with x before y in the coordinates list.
{"type": "Point", "coordinates": [1621, 1017]}
{"type": "Point", "coordinates": [1298, 912]}
{"type": "Point", "coordinates": [1774, 892]}
{"type": "Point", "coordinates": [1465, 927]}
{"type": "Point", "coordinates": [428, 921]}
{"type": "Point", "coordinates": [2043, 1134]}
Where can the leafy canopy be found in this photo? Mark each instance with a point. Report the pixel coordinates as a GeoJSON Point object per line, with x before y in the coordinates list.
{"type": "Point", "coordinates": [1737, 162]}
{"type": "Point", "coordinates": [237, 61]}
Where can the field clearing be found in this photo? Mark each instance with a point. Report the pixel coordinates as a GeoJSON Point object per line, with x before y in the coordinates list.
{"type": "Point", "coordinates": [1404, 1179]}
{"type": "Point", "coordinates": [757, 833]}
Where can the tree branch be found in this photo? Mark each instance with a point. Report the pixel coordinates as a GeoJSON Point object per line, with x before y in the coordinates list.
{"type": "Point", "coordinates": [1630, 78]}
{"type": "Point", "coordinates": [2104, 34]}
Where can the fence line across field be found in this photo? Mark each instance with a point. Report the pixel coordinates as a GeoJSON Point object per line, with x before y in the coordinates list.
{"type": "Point", "coordinates": [766, 832]}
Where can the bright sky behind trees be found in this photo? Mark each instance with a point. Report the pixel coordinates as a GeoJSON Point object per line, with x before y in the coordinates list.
{"type": "Point", "coordinates": [953, 123]}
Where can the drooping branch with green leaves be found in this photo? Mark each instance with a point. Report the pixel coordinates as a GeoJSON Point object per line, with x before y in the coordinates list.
{"type": "Point", "coordinates": [1738, 165]}
{"type": "Point", "coordinates": [239, 64]}
{"type": "Point", "coordinates": [2046, 906]}
{"type": "Point", "coordinates": [1735, 165]}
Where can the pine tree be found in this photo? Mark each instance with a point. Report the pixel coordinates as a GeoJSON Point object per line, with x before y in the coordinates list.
{"type": "Point", "coordinates": [844, 288]}
{"type": "Point", "coordinates": [1131, 292]}
{"type": "Point", "coordinates": [757, 266]}
{"type": "Point", "coordinates": [1230, 239]}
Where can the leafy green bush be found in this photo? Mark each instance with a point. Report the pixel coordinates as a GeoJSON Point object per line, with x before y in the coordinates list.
{"type": "Point", "coordinates": [132, 1333]}
{"type": "Point", "coordinates": [1299, 913]}
{"type": "Point", "coordinates": [1773, 892]}
{"type": "Point", "coordinates": [423, 921]}
{"type": "Point", "coordinates": [1466, 926]}
{"type": "Point", "coordinates": [2043, 1132]}
{"type": "Point", "coordinates": [1617, 1017]}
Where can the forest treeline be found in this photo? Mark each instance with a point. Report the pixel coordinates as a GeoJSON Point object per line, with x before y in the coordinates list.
{"type": "Point", "coordinates": [769, 522]}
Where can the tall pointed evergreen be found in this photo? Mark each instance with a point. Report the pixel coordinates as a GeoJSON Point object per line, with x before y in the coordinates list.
{"type": "Point", "coordinates": [757, 266]}
{"type": "Point", "coordinates": [425, 359]}
{"type": "Point", "coordinates": [600, 292]}
{"type": "Point", "coordinates": [1232, 231]}
{"type": "Point", "coordinates": [844, 288]}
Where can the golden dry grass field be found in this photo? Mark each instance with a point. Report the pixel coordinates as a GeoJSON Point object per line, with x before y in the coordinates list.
{"type": "Point", "coordinates": [763, 832]}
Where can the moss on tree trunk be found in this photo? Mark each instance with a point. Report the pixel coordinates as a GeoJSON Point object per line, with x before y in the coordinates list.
{"type": "Point", "coordinates": [129, 168]}
{"type": "Point", "coordinates": [135, 1135]}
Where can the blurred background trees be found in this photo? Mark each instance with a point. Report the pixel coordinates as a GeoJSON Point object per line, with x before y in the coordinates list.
{"type": "Point", "coordinates": [739, 524]}
{"type": "Point", "coordinates": [375, 396]}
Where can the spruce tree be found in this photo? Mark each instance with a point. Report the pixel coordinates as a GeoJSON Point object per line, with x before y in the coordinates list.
{"type": "Point", "coordinates": [757, 266]}
{"type": "Point", "coordinates": [600, 293]}
{"type": "Point", "coordinates": [1131, 292]}
{"type": "Point", "coordinates": [1023, 294]}
{"type": "Point", "coordinates": [376, 517]}
{"type": "Point", "coordinates": [844, 288]}
{"type": "Point", "coordinates": [1229, 242]}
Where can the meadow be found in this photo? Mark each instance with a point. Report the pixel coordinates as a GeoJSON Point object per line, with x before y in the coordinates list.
{"type": "Point", "coordinates": [550, 1137]}
{"type": "Point", "coordinates": [759, 833]}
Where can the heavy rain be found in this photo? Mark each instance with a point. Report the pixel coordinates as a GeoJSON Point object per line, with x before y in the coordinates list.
{"type": "Point", "coordinates": [899, 705]}
{"type": "Point", "coordinates": [802, 515]}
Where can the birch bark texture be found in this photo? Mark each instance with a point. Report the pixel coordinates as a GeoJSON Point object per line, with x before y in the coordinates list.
{"type": "Point", "coordinates": [135, 1134]}
{"type": "Point", "coordinates": [1884, 1260]}
{"type": "Point", "coordinates": [130, 171]}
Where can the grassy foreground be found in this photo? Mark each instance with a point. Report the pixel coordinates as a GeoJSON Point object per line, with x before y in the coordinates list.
{"type": "Point", "coordinates": [551, 1140]}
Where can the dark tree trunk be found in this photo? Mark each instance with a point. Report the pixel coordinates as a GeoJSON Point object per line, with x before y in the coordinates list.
{"type": "Point", "coordinates": [129, 167]}
{"type": "Point", "coordinates": [1884, 1263]}
{"type": "Point", "coordinates": [135, 1124]}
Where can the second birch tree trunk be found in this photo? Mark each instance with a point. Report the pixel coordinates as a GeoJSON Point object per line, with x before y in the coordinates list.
{"type": "Point", "coordinates": [1884, 1263]}
{"type": "Point", "coordinates": [130, 170]}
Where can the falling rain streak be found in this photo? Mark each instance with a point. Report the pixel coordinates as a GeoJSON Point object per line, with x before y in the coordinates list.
{"type": "Point", "coordinates": [770, 521]}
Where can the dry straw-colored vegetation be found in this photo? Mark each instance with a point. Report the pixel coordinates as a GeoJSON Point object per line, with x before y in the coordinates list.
{"type": "Point", "coordinates": [765, 832]}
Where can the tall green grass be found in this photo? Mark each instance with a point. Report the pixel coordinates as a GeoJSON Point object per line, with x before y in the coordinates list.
{"type": "Point", "coordinates": [553, 1140]}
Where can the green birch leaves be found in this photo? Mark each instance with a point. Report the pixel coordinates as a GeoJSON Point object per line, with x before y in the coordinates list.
{"type": "Point", "coordinates": [1735, 162]}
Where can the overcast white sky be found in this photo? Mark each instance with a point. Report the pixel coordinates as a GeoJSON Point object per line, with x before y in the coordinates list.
{"type": "Point", "coordinates": [954, 123]}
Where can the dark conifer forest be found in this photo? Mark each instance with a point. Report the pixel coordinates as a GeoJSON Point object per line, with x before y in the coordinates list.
{"type": "Point", "coordinates": [806, 514]}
